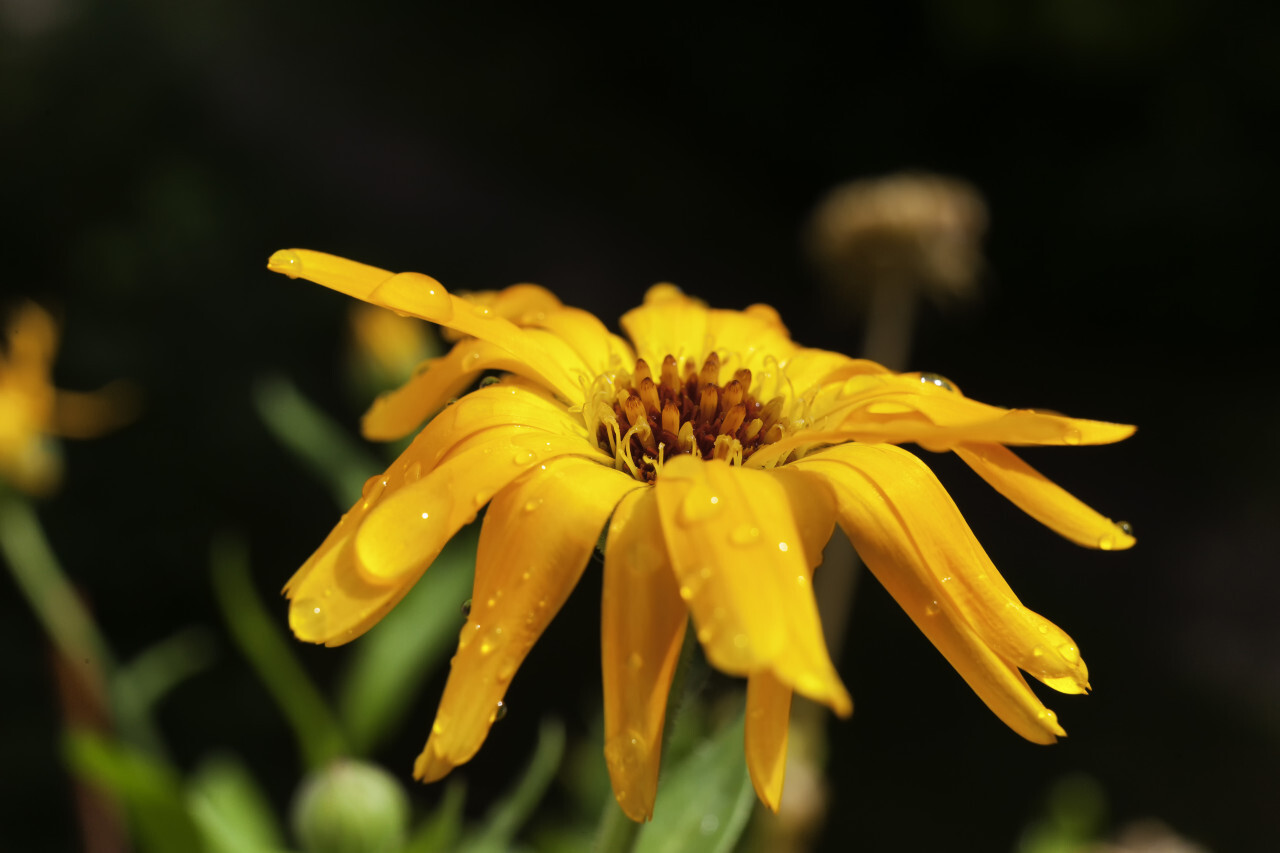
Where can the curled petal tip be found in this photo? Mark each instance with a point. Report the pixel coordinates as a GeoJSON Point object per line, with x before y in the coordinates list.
{"type": "Point", "coordinates": [285, 261]}
{"type": "Point", "coordinates": [430, 767]}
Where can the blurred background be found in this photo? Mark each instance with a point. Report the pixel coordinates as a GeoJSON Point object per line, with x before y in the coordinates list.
{"type": "Point", "coordinates": [154, 154]}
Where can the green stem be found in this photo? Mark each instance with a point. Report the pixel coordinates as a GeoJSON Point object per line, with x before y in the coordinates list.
{"type": "Point", "coordinates": [617, 833]}
{"type": "Point", "coordinates": [51, 596]}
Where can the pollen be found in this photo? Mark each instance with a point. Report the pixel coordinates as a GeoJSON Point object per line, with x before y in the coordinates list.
{"type": "Point", "coordinates": [683, 409]}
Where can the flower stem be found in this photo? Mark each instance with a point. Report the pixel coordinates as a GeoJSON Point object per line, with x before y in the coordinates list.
{"type": "Point", "coordinates": [52, 598]}
{"type": "Point", "coordinates": [617, 833]}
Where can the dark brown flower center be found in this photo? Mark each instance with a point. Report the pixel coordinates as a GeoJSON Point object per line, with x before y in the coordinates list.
{"type": "Point", "coordinates": [657, 417]}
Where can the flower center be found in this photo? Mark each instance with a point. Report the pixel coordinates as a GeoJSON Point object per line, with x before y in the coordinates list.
{"type": "Point", "coordinates": [651, 418]}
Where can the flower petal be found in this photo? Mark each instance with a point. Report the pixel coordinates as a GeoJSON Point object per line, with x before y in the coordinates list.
{"type": "Point", "coordinates": [599, 349]}
{"type": "Point", "coordinates": [643, 622]}
{"type": "Point", "coordinates": [522, 304]}
{"type": "Point", "coordinates": [740, 562]}
{"type": "Point", "coordinates": [405, 532]}
{"type": "Point", "coordinates": [423, 296]}
{"type": "Point", "coordinates": [768, 718]}
{"type": "Point", "coordinates": [534, 543]}
{"type": "Point", "coordinates": [1042, 499]}
{"type": "Point", "coordinates": [913, 539]}
{"type": "Point", "coordinates": [399, 412]}
{"type": "Point", "coordinates": [668, 323]}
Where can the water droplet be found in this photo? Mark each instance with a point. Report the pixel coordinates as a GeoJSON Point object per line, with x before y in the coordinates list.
{"type": "Point", "coordinates": [532, 504]}
{"type": "Point", "coordinates": [1107, 541]}
{"type": "Point", "coordinates": [1046, 715]}
{"type": "Point", "coordinates": [413, 473]}
{"type": "Point", "coordinates": [1043, 628]}
{"type": "Point", "coordinates": [1038, 652]}
{"type": "Point", "coordinates": [686, 593]}
{"type": "Point", "coordinates": [1125, 527]}
{"type": "Point", "coordinates": [1069, 653]}
{"type": "Point", "coordinates": [466, 609]}
{"type": "Point", "coordinates": [437, 728]}
{"type": "Point", "coordinates": [372, 490]}
{"type": "Point", "coordinates": [636, 661]}
{"type": "Point", "coordinates": [699, 505]}
{"type": "Point", "coordinates": [744, 534]}
{"type": "Point", "coordinates": [285, 261]}
{"type": "Point", "coordinates": [422, 295]}
{"type": "Point", "coordinates": [523, 457]}
{"type": "Point", "coordinates": [488, 381]}
{"type": "Point", "coordinates": [505, 671]}
{"type": "Point", "coordinates": [308, 617]}
{"type": "Point", "coordinates": [481, 311]}
{"type": "Point", "coordinates": [500, 711]}
{"type": "Point", "coordinates": [782, 546]}
{"type": "Point", "coordinates": [932, 609]}
{"type": "Point", "coordinates": [709, 824]}
{"type": "Point", "coordinates": [624, 753]}
{"type": "Point", "coordinates": [938, 380]}
{"type": "Point", "coordinates": [1071, 436]}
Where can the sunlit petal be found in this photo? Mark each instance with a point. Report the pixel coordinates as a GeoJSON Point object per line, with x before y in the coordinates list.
{"type": "Point", "coordinates": [642, 626]}
{"type": "Point", "coordinates": [751, 598]}
{"type": "Point", "coordinates": [912, 539]}
{"type": "Point", "coordinates": [1043, 500]}
{"type": "Point", "coordinates": [535, 541]}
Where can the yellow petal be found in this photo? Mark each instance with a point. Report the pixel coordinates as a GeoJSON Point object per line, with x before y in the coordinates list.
{"type": "Point", "coordinates": [404, 533]}
{"type": "Point", "coordinates": [422, 296]}
{"type": "Point", "coordinates": [912, 539]}
{"type": "Point", "coordinates": [739, 559]}
{"type": "Point", "coordinates": [1043, 500]}
{"type": "Point", "coordinates": [668, 323]}
{"type": "Point", "coordinates": [643, 623]}
{"type": "Point", "coordinates": [768, 716]}
{"type": "Point", "coordinates": [535, 541]}
{"type": "Point", "coordinates": [599, 349]}
{"type": "Point", "coordinates": [522, 304]}
{"type": "Point", "coordinates": [399, 412]}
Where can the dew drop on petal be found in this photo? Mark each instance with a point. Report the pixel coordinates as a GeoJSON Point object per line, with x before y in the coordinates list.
{"type": "Point", "coordinates": [744, 534]}
{"type": "Point", "coordinates": [466, 608]}
{"type": "Point", "coordinates": [698, 506]}
{"type": "Point", "coordinates": [624, 753]}
{"type": "Point", "coordinates": [372, 490]}
{"type": "Point", "coordinates": [309, 617]}
{"type": "Point", "coordinates": [1069, 653]}
{"type": "Point", "coordinates": [1125, 527]}
{"type": "Point", "coordinates": [1071, 436]}
{"type": "Point", "coordinates": [489, 380]}
{"type": "Point", "coordinates": [500, 711]}
{"type": "Point", "coordinates": [932, 609]}
{"type": "Point", "coordinates": [636, 661]}
{"type": "Point", "coordinates": [782, 546]}
{"type": "Point", "coordinates": [709, 824]}
{"type": "Point", "coordinates": [937, 380]}
{"type": "Point", "coordinates": [523, 457]}
{"type": "Point", "coordinates": [532, 504]}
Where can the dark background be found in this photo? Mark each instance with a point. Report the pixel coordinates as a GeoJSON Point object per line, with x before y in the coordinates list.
{"type": "Point", "coordinates": [154, 154]}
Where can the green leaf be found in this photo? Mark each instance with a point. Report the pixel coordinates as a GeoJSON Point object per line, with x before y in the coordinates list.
{"type": "Point", "coordinates": [391, 662]}
{"type": "Point", "coordinates": [260, 639]}
{"type": "Point", "coordinates": [230, 810]}
{"type": "Point", "coordinates": [511, 812]}
{"type": "Point", "coordinates": [139, 685]}
{"type": "Point", "coordinates": [323, 446]}
{"type": "Point", "coordinates": [151, 789]}
{"type": "Point", "coordinates": [704, 802]}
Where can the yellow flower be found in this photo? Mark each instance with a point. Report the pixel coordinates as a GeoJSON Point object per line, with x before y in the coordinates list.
{"type": "Point", "coordinates": [721, 455]}
{"type": "Point", "coordinates": [31, 409]}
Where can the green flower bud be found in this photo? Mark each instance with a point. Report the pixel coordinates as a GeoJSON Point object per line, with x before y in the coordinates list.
{"type": "Point", "coordinates": [351, 807]}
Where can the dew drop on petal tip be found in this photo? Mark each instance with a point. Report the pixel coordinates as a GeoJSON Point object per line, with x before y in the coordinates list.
{"type": "Point", "coordinates": [500, 711]}
{"type": "Point", "coordinates": [309, 617]}
{"type": "Point", "coordinates": [466, 608]}
{"type": "Point", "coordinates": [1125, 527]}
{"type": "Point", "coordinates": [285, 261]}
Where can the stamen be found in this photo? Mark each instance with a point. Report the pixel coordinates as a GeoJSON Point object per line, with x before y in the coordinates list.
{"type": "Point", "coordinates": [710, 373]}
{"type": "Point", "coordinates": [642, 373]}
{"type": "Point", "coordinates": [642, 421]}
{"type": "Point", "coordinates": [649, 395]}
{"type": "Point", "coordinates": [670, 377]}
{"type": "Point", "coordinates": [733, 420]}
{"type": "Point", "coordinates": [709, 405]}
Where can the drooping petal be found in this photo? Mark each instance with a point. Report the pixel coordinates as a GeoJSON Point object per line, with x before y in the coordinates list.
{"type": "Point", "coordinates": [422, 296]}
{"type": "Point", "coordinates": [912, 538]}
{"type": "Point", "coordinates": [740, 562]}
{"type": "Point", "coordinates": [1042, 499]}
{"type": "Point", "coordinates": [405, 532]}
{"type": "Point", "coordinates": [643, 623]}
{"type": "Point", "coordinates": [534, 543]}
{"type": "Point", "coordinates": [768, 717]}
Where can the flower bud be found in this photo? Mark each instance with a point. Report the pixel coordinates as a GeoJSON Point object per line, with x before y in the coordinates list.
{"type": "Point", "coordinates": [351, 807]}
